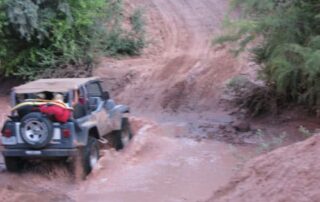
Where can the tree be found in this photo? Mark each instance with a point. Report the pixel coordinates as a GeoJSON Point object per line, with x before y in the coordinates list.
{"type": "Point", "coordinates": [39, 36]}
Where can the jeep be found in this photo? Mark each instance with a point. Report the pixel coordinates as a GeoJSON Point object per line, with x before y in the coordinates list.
{"type": "Point", "coordinates": [91, 119]}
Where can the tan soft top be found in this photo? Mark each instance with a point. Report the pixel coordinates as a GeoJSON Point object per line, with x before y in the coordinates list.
{"type": "Point", "coordinates": [52, 85]}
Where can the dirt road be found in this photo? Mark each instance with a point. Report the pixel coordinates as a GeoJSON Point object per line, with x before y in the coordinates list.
{"type": "Point", "coordinates": [179, 75]}
{"type": "Point", "coordinates": [157, 166]}
{"type": "Point", "coordinates": [180, 70]}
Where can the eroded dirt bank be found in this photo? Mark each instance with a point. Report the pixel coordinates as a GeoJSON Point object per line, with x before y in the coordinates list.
{"type": "Point", "coordinates": [287, 174]}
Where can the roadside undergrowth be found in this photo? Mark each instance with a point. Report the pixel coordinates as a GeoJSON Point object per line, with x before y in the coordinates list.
{"type": "Point", "coordinates": [44, 38]}
{"type": "Point", "coordinates": [255, 98]}
{"type": "Point", "coordinates": [285, 38]}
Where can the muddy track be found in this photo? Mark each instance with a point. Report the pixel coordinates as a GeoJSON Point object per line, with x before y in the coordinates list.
{"type": "Point", "coordinates": [179, 71]}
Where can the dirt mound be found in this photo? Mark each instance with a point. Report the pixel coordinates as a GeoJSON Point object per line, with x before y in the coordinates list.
{"type": "Point", "coordinates": [287, 174]}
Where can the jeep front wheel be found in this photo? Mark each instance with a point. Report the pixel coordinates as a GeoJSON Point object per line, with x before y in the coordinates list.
{"type": "Point", "coordinates": [121, 138]}
{"type": "Point", "coordinates": [126, 134]}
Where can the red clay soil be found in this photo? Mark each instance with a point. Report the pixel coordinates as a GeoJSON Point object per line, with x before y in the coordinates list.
{"type": "Point", "coordinates": [287, 174]}
{"type": "Point", "coordinates": [179, 70]}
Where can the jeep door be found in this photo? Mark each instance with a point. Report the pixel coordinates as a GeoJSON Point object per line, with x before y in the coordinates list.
{"type": "Point", "coordinates": [96, 102]}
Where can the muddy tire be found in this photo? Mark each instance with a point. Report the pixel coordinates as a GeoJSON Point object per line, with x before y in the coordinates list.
{"type": "Point", "coordinates": [13, 164]}
{"type": "Point", "coordinates": [121, 138]}
{"type": "Point", "coordinates": [126, 133]}
{"type": "Point", "coordinates": [36, 130]}
{"type": "Point", "coordinates": [91, 155]}
{"type": "Point", "coordinates": [85, 159]}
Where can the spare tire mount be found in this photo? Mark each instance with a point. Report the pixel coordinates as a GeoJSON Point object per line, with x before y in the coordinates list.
{"type": "Point", "coordinates": [36, 130]}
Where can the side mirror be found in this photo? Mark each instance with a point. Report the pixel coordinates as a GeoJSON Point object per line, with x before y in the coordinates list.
{"type": "Point", "coordinates": [105, 95]}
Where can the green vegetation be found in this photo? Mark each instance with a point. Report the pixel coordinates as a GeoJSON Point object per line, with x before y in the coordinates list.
{"type": "Point", "coordinates": [286, 35]}
{"type": "Point", "coordinates": [269, 143]}
{"type": "Point", "coordinates": [40, 37]}
{"type": "Point", "coordinates": [264, 143]}
{"type": "Point", "coordinates": [256, 99]}
{"type": "Point", "coordinates": [305, 132]}
{"type": "Point", "coordinates": [124, 42]}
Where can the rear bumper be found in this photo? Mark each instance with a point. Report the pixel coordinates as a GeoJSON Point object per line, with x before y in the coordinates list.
{"type": "Point", "coordinates": [39, 153]}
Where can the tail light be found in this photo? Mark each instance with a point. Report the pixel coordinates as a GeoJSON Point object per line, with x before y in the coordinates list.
{"type": "Point", "coordinates": [7, 132]}
{"type": "Point", "coordinates": [66, 133]}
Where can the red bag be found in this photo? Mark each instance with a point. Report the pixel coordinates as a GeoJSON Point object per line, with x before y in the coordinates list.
{"type": "Point", "coordinates": [59, 113]}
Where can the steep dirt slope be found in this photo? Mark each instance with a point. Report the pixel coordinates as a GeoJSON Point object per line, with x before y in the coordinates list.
{"type": "Point", "coordinates": [287, 174]}
{"type": "Point", "coordinates": [179, 71]}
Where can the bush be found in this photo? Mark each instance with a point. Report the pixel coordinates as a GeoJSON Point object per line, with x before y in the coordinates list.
{"type": "Point", "coordinates": [256, 99]}
{"type": "Point", "coordinates": [288, 37]}
{"type": "Point", "coordinates": [42, 37]}
{"type": "Point", "coordinates": [120, 42]}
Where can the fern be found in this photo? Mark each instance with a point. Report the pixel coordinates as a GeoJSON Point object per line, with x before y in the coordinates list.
{"type": "Point", "coordinates": [290, 49]}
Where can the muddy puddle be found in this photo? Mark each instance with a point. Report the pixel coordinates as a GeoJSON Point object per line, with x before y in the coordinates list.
{"type": "Point", "coordinates": [157, 166]}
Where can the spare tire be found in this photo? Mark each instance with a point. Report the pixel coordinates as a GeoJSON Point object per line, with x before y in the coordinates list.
{"type": "Point", "coordinates": [36, 130]}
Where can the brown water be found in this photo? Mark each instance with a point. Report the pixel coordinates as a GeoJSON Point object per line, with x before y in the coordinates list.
{"type": "Point", "coordinates": [157, 166]}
